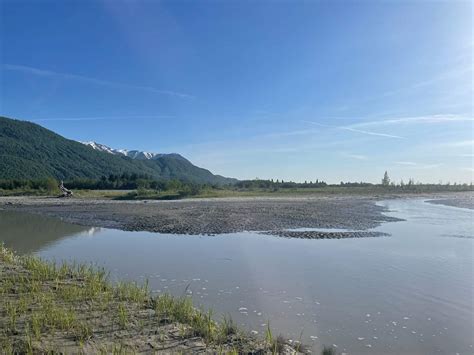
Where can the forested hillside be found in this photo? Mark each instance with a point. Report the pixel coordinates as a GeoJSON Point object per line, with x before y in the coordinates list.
{"type": "Point", "coordinates": [29, 151]}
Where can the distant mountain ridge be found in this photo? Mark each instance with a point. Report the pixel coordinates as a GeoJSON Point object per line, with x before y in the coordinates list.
{"type": "Point", "coordinates": [29, 151]}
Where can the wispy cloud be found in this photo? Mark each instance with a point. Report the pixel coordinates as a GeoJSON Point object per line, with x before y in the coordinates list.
{"type": "Point", "coordinates": [449, 74]}
{"type": "Point", "coordinates": [459, 71]}
{"type": "Point", "coordinates": [430, 166]}
{"type": "Point", "coordinates": [351, 129]}
{"type": "Point", "coordinates": [69, 76]}
{"type": "Point", "coordinates": [409, 163]}
{"type": "Point", "coordinates": [355, 156]}
{"type": "Point", "coordinates": [290, 133]}
{"type": "Point", "coordinates": [370, 133]}
{"type": "Point", "coordinates": [102, 118]}
{"type": "Point", "coordinates": [448, 118]}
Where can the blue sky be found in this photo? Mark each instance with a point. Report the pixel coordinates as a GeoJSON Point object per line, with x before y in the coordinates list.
{"type": "Point", "coordinates": [295, 90]}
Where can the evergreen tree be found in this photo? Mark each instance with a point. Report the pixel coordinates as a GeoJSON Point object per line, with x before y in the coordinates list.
{"type": "Point", "coordinates": [386, 179]}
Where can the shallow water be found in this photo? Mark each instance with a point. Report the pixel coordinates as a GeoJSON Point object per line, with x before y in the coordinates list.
{"type": "Point", "coordinates": [410, 293]}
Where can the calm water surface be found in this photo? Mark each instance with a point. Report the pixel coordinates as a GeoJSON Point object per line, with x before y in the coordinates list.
{"type": "Point", "coordinates": [410, 293]}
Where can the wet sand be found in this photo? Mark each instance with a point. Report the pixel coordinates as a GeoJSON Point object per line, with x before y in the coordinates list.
{"type": "Point", "coordinates": [462, 200]}
{"type": "Point", "coordinates": [226, 215]}
{"type": "Point", "coordinates": [210, 216]}
{"type": "Point", "coordinates": [325, 235]}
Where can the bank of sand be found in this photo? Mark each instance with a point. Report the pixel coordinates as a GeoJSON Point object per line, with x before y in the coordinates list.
{"type": "Point", "coordinates": [209, 216]}
{"type": "Point", "coordinates": [226, 215]}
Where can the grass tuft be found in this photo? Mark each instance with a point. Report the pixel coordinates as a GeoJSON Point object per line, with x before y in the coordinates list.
{"type": "Point", "coordinates": [328, 350]}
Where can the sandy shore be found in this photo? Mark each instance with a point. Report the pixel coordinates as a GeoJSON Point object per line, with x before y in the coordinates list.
{"type": "Point", "coordinates": [224, 215]}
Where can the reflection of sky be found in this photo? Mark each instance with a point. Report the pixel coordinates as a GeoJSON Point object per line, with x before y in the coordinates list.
{"type": "Point", "coordinates": [417, 280]}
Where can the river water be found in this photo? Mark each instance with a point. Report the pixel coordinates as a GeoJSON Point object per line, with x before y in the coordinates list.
{"type": "Point", "coordinates": [409, 293]}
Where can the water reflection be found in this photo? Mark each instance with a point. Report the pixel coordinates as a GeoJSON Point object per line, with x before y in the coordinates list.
{"type": "Point", "coordinates": [27, 233]}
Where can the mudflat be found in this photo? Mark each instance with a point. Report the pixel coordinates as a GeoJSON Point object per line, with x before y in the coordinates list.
{"type": "Point", "coordinates": [465, 200]}
{"type": "Point", "coordinates": [223, 215]}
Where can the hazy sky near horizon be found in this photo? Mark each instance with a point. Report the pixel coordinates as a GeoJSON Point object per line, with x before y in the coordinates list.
{"type": "Point", "coordinates": [294, 90]}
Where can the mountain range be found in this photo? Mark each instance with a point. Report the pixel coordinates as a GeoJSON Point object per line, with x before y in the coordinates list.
{"type": "Point", "coordinates": [134, 154]}
{"type": "Point", "coordinates": [30, 151]}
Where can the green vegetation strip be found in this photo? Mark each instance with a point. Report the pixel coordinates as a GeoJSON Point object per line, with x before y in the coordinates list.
{"type": "Point", "coordinates": [144, 187]}
{"type": "Point", "coordinates": [73, 308]}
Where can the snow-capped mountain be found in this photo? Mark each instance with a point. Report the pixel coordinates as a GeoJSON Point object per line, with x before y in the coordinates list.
{"type": "Point", "coordinates": [101, 147]}
{"type": "Point", "coordinates": [134, 154]}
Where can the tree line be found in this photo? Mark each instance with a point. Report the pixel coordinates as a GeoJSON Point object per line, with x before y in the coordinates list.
{"type": "Point", "coordinates": [142, 182]}
{"type": "Point", "coordinates": [125, 181]}
{"type": "Point", "coordinates": [277, 184]}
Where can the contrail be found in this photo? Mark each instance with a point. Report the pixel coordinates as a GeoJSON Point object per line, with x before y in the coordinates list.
{"type": "Point", "coordinates": [41, 72]}
{"type": "Point", "coordinates": [370, 133]}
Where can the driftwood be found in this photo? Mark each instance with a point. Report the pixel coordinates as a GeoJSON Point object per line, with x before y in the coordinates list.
{"type": "Point", "coordinates": [65, 192]}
